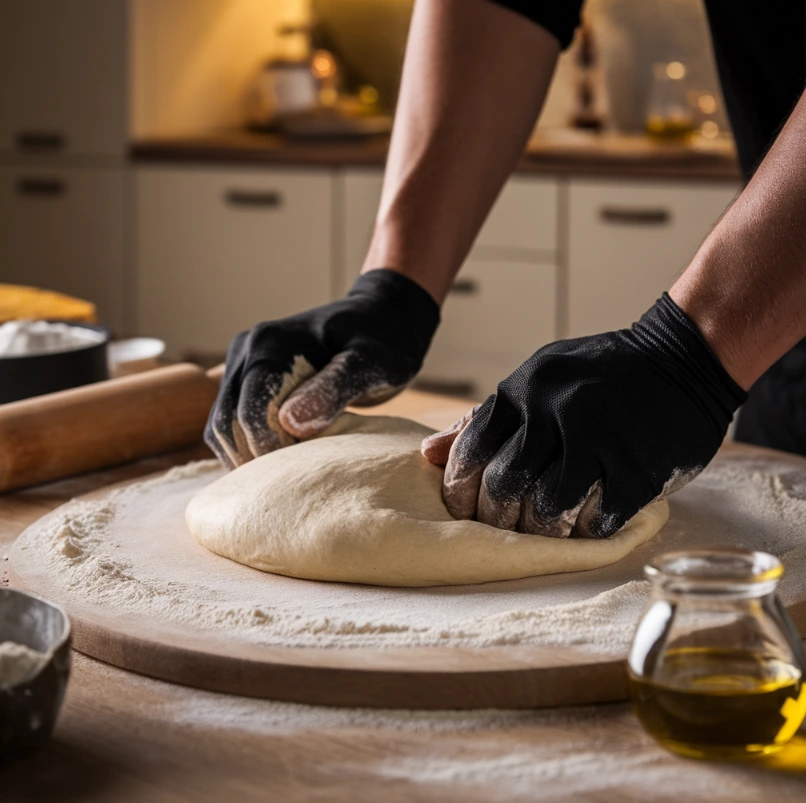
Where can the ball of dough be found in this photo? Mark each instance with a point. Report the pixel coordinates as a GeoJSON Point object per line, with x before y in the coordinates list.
{"type": "Point", "coordinates": [362, 505]}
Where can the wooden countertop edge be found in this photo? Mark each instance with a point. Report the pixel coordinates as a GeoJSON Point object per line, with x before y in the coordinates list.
{"type": "Point", "coordinates": [677, 163]}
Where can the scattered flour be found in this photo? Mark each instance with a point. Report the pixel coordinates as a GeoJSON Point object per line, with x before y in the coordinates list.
{"type": "Point", "coordinates": [18, 663]}
{"type": "Point", "coordinates": [563, 754]}
{"type": "Point", "coordinates": [175, 582]}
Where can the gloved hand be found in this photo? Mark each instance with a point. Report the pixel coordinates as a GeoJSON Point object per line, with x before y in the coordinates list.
{"type": "Point", "coordinates": [587, 432]}
{"type": "Point", "coordinates": [289, 379]}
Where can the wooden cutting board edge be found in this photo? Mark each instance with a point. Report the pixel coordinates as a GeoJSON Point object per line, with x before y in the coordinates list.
{"type": "Point", "coordinates": [410, 678]}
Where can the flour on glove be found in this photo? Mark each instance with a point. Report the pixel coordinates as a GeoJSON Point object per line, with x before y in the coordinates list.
{"type": "Point", "coordinates": [288, 380]}
{"type": "Point", "coordinates": [588, 432]}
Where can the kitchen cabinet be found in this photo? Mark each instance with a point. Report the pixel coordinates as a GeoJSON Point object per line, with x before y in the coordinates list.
{"type": "Point", "coordinates": [521, 227]}
{"type": "Point", "coordinates": [219, 250]}
{"type": "Point", "coordinates": [63, 76]}
{"type": "Point", "coordinates": [503, 305]}
{"type": "Point", "coordinates": [358, 194]}
{"type": "Point", "coordinates": [63, 229]}
{"type": "Point", "coordinates": [627, 243]}
{"type": "Point", "coordinates": [496, 315]}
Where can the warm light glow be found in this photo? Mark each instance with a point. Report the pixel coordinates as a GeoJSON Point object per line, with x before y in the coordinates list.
{"type": "Point", "coordinates": [323, 64]}
{"type": "Point", "coordinates": [707, 103]}
{"type": "Point", "coordinates": [709, 129]}
{"type": "Point", "coordinates": [368, 95]}
{"type": "Point", "coordinates": [676, 70]}
{"type": "Point", "coordinates": [328, 96]}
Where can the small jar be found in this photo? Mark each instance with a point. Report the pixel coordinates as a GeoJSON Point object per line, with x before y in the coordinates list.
{"type": "Point", "coordinates": [716, 668]}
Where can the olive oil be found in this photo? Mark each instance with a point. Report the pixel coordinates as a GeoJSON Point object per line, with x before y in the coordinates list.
{"type": "Point", "coordinates": [720, 703]}
{"type": "Point", "coordinates": [670, 129]}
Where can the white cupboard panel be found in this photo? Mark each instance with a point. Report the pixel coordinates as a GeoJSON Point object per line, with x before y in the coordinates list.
{"type": "Point", "coordinates": [360, 195]}
{"type": "Point", "coordinates": [64, 229]}
{"type": "Point", "coordinates": [524, 217]}
{"type": "Point", "coordinates": [500, 306]}
{"type": "Point", "coordinates": [466, 373]}
{"type": "Point", "coordinates": [63, 76]}
{"type": "Point", "coordinates": [221, 250]}
{"type": "Point", "coordinates": [498, 314]}
{"type": "Point", "coordinates": [628, 241]}
{"type": "Point", "coordinates": [522, 225]}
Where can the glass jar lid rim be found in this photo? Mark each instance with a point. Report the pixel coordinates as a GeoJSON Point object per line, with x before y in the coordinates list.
{"type": "Point", "coordinates": [728, 565]}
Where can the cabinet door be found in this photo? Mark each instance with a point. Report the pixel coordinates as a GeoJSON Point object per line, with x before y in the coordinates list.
{"type": "Point", "coordinates": [503, 305]}
{"type": "Point", "coordinates": [63, 229]}
{"type": "Point", "coordinates": [221, 250]}
{"type": "Point", "coordinates": [628, 241]}
{"type": "Point", "coordinates": [63, 76]}
{"type": "Point", "coordinates": [522, 225]}
{"type": "Point", "coordinates": [497, 314]}
{"type": "Point", "coordinates": [359, 196]}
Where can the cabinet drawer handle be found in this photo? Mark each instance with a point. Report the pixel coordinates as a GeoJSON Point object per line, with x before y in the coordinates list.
{"type": "Point", "coordinates": [41, 141]}
{"type": "Point", "coordinates": [635, 217]}
{"type": "Point", "coordinates": [465, 287]}
{"type": "Point", "coordinates": [254, 199]}
{"type": "Point", "coordinates": [447, 387]}
{"type": "Point", "coordinates": [41, 187]}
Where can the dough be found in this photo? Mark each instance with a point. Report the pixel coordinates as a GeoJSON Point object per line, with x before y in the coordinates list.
{"type": "Point", "coordinates": [362, 505]}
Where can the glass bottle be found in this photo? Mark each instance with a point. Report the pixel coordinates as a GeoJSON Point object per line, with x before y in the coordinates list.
{"type": "Point", "coordinates": [669, 116]}
{"type": "Point", "coordinates": [716, 668]}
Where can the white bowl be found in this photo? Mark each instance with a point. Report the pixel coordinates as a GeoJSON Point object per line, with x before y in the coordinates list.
{"type": "Point", "coordinates": [134, 355]}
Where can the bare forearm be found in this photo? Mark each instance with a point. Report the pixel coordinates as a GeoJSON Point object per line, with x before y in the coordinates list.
{"type": "Point", "coordinates": [746, 287]}
{"type": "Point", "coordinates": [474, 80]}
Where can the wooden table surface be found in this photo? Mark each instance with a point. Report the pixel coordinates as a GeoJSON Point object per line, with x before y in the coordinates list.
{"type": "Point", "coordinates": [129, 739]}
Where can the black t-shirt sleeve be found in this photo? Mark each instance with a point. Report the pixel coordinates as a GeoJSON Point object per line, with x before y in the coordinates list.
{"type": "Point", "coordinates": [558, 17]}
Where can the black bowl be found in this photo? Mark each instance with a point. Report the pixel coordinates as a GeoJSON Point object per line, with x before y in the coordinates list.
{"type": "Point", "coordinates": [28, 710]}
{"type": "Point", "coordinates": [27, 375]}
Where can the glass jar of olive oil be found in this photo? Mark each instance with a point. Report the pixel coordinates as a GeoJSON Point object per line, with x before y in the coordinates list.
{"type": "Point", "coordinates": [716, 668]}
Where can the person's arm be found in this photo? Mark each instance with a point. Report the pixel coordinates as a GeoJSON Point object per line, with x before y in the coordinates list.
{"type": "Point", "coordinates": [474, 80]}
{"type": "Point", "coordinates": [587, 432]}
{"type": "Point", "coordinates": [475, 77]}
{"type": "Point", "coordinates": [746, 287]}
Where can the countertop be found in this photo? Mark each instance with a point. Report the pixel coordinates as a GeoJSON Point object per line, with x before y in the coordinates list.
{"type": "Point", "coordinates": [554, 153]}
{"type": "Point", "coordinates": [124, 738]}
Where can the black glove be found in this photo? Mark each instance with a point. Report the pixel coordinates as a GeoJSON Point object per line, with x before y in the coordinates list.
{"type": "Point", "coordinates": [362, 349]}
{"type": "Point", "coordinates": [590, 431]}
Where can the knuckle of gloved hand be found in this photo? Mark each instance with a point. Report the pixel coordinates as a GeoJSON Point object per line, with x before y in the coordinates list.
{"type": "Point", "coordinates": [375, 374]}
{"type": "Point", "coordinates": [209, 431]}
{"type": "Point", "coordinates": [266, 337]}
{"type": "Point", "coordinates": [499, 498]}
{"type": "Point", "coordinates": [501, 484]}
{"type": "Point", "coordinates": [219, 424]}
{"type": "Point", "coordinates": [605, 524]}
{"type": "Point", "coordinates": [252, 418]}
{"type": "Point", "coordinates": [543, 512]}
{"type": "Point", "coordinates": [466, 455]}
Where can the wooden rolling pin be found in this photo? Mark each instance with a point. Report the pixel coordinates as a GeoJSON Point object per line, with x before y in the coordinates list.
{"type": "Point", "coordinates": [84, 429]}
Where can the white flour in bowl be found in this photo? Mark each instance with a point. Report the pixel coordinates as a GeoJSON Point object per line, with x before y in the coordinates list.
{"type": "Point", "coordinates": [19, 663]}
{"type": "Point", "coordinates": [28, 338]}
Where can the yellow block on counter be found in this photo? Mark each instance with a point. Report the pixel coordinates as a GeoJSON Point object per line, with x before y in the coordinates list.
{"type": "Point", "coordinates": [18, 302]}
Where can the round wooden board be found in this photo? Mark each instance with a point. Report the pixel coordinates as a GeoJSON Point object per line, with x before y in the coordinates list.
{"type": "Point", "coordinates": [417, 677]}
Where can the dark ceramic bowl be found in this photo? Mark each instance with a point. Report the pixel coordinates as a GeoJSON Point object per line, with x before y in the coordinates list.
{"type": "Point", "coordinates": [28, 710]}
{"type": "Point", "coordinates": [27, 375]}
